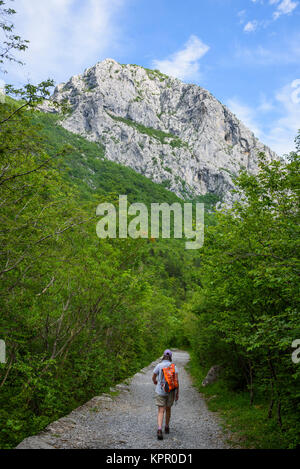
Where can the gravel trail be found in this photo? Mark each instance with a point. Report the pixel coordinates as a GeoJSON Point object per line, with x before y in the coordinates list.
{"type": "Point", "coordinates": [128, 420]}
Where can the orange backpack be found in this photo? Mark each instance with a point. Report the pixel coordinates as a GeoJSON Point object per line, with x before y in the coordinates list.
{"type": "Point", "coordinates": [171, 378]}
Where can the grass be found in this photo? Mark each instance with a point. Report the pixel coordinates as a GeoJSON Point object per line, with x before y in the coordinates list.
{"type": "Point", "coordinates": [85, 166]}
{"type": "Point", "coordinates": [156, 74]}
{"type": "Point", "coordinates": [85, 161]}
{"type": "Point", "coordinates": [245, 426]}
{"type": "Point", "coordinates": [176, 142]}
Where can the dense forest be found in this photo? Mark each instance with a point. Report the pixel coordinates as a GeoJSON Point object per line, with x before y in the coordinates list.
{"type": "Point", "coordinates": [79, 314]}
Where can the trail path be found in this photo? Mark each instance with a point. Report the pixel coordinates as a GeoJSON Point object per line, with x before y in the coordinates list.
{"type": "Point", "coordinates": [128, 420]}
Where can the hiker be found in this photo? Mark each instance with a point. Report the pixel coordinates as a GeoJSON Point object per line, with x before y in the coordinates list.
{"type": "Point", "coordinates": [165, 377]}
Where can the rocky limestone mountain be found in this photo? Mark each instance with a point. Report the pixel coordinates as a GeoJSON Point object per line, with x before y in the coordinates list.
{"type": "Point", "coordinates": [174, 133]}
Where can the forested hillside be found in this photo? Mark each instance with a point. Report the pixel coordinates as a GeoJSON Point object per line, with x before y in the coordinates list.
{"type": "Point", "coordinates": [78, 313]}
{"type": "Point", "coordinates": [245, 314]}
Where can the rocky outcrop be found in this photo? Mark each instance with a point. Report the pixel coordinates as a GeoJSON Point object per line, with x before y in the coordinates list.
{"type": "Point", "coordinates": [174, 133]}
{"type": "Point", "coordinates": [71, 429]}
{"type": "Point", "coordinates": [212, 375]}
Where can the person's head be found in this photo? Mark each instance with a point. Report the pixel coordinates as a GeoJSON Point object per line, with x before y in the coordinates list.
{"type": "Point", "coordinates": [167, 355]}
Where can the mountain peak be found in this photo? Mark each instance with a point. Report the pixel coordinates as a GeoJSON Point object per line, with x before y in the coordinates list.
{"type": "Point", "coordinates": [174, 133]}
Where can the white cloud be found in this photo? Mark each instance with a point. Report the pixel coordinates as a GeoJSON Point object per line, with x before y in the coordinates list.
{"type": "Point", "coordinates": [245, 113]}
{"type": "Point", "coordinates": [251, 26]}
{"type": "Point", "coordinates": [284, 52]}
{"type": "Point", "coordinates": [184, 64]}
{"type": "Point", "coordinates": [283, 127]}
{"type": "Point", "coordinates": [284, 7]}
{"type": "Point", "coordinates": [242, 14]}
{"type": "Point", "coordinates": [295, 95]}
{"type": "Point", "coordinates": [2, 91]}
{"type": "Point", "coordinates": [265, 104]}
{"type": "Point", "coordinates": [65, 35]}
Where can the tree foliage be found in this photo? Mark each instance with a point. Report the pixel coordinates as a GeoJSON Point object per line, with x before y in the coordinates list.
{"type": "Point", "coordinates": [77, 313]}
{"type": "Point", "coordinates": [247, 311]}
{"type": "Point", "coordinates": [10, 41]}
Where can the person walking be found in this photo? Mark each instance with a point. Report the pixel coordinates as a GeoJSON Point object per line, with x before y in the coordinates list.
{"type": "Point", "coordinates": [164, 396]}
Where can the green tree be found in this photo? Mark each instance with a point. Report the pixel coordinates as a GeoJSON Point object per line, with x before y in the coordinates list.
{"type": "Point", "coordinates": [10, 41]}
{"type": "Point", "coordinates": [78, 314]}
{"type": "Point", "coordinates": [247, 311]}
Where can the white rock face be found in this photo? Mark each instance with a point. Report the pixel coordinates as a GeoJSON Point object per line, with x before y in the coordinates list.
{"type": "Point", "coordinates": [173, 133]}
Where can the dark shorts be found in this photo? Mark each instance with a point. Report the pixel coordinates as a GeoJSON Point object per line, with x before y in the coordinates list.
{"type": "Point", "coordinates": [165, 401]}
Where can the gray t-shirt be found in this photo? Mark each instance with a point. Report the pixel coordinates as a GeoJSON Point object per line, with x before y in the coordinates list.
{"type": "Point", "coordinates": [160, 376]}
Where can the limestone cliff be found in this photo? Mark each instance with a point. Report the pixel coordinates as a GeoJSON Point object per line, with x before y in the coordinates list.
{"type": "Point", "coordinates": [174, 133]}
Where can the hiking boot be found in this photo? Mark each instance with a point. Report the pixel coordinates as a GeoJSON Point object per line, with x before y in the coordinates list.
{"type": "Point", "coordinates": [167, 430]}
{"type": "Point", "coordinates": [160, 435]}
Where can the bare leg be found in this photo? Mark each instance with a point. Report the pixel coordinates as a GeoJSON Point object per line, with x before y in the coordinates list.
{"type": "Point", "coordinates": [168, 415]}
{"type": "Point", "coordinates": [160, 416]}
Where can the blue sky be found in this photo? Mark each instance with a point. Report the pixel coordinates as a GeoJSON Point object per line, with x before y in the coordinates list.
{"type": "Point", "coordinates": [245, 52]}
